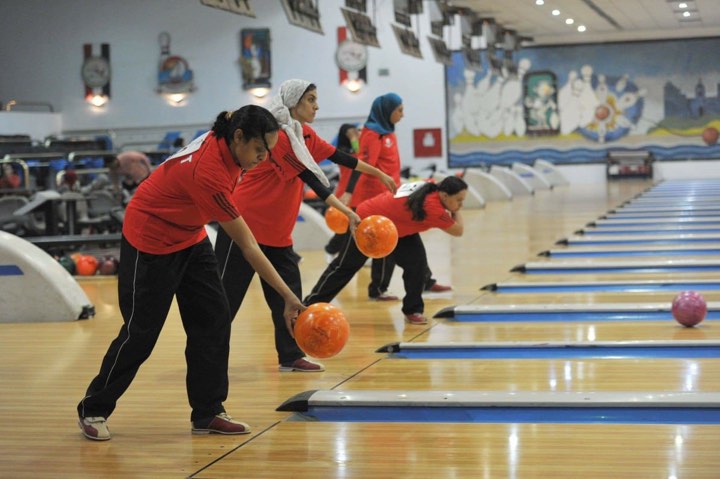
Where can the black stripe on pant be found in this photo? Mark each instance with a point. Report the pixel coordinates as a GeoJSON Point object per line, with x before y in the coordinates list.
{"type": "Point", "coordinates": [147, 284]}
{"type": "Point", "coordinates": [409, 254]}
{"type": "Point", "coordinates": [236, 274]}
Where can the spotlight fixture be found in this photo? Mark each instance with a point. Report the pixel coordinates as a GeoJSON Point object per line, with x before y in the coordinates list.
{"type": "Point", "coordinates": [569, 21]}
{"type": "Point", "coordinates": [581, 28]}
{"type": "Point", "coordinates": [556, 12]}
{"type": "Point", "coordinates": [259, 92]}
{"type": "Point", "coordinates": [97, 100]}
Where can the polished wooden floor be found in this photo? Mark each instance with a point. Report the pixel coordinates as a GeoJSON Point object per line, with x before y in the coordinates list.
{"type": "Point", "coordinates": [45, 368]}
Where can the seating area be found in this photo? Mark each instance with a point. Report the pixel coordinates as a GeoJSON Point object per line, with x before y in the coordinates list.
{"type": "Point", "coordinates": [60, 187]}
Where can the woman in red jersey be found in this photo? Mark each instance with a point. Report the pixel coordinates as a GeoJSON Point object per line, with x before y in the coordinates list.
{"type": "Point", "coordinates": [165, 254]}
{"type": "Point", "coordinates": [347, 141]}
{"type": "Point", "coordinates": [378, 147]}
{"type": "Point", "coordinates": [415, 207]}
{"type": "Point", "coordinates": [269, 199]}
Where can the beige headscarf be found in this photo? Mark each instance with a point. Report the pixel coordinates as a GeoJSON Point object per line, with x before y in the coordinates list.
{"type": "Point", "coordinates": [291, 91]}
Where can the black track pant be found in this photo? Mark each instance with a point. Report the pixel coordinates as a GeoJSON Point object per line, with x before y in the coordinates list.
{"type": "Point", "coordinates": [147, 284]}
{"type": "Point", "coordinates": [409, 254]}
{"type": "Point", "coordinates": [236, 274]}
{"type": "Point", "coordinates": [381, 272]}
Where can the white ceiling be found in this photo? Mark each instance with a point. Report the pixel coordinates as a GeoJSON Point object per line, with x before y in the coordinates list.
{"type": "Point", "coordinates": [606, 20]}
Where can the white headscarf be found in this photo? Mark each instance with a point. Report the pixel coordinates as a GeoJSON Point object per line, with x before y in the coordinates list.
{"type": "Point", "coordinates": [291, 91]}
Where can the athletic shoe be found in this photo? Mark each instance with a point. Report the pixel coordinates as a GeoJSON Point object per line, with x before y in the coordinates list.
{"type": "Point", "coordinates": [302, 365]}
{"type": "Point", "coordinates": [384, 296]}
{"type": "Point", "coordinates": [416, 318]}
{"type": "Point", "coordinates": [438, 288]}
{"type": "Point", "coordinates": [220, 424]}
{"type": "Point", "coordinates": [94, 428]}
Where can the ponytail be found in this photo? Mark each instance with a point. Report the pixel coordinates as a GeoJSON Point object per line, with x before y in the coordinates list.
{"type": "Point", "coordinates": [254, 121]}
{"type": "Point", "coordinates": [416, 201]}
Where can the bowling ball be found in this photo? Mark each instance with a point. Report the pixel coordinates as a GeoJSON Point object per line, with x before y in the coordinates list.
{"type": "Point", "coordinates": [689, 308]}
{"type": "Point", "coordinates": [336, 220]}
{"type": "Point", "coordinates": [108, 266]}
{"type": "Point", "coordinates": [376, 236]}
{"type": "Point", "coordinates": [321, 330]}
{"type": "Point", "coordinates": [67, 263]}
{"type": "Point", "coordinates": [710, 135]}
{"type": "Point", "coordinates": [86, 265]}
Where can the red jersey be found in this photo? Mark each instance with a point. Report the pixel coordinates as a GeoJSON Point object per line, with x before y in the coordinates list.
{"type": "Point", "coordinates": [344, 178]}
{"type": "Point", "coordinates": [170, 209]}
{"type": "Point", "coordinates": [269, 195]}
{"type": "Point", "coordinates": [397, 211]}
{"type": "Point", "coordinates": [380, 151]}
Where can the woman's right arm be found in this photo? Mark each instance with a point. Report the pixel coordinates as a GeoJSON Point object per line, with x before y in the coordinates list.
{"type": "Point", "coordinates": [239, 231]}
{"type": "Point", "coordinates": [457, 228]}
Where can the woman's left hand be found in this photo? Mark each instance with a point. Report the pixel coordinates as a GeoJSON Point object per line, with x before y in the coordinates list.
{"type": "Point", "coordinates": [388, 182]}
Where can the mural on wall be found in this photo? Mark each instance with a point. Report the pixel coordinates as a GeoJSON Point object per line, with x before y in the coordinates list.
{"type": "Point", "coordinates": [573, 103]}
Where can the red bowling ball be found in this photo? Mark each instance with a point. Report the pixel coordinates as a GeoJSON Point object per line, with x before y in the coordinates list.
{"type": "Point", "coordinates": [689, 308]}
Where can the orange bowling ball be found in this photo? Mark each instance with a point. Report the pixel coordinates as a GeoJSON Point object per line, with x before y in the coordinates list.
{"type": "Point", "coordinates": [321, 330]}
{"type": "Point", "coordinates": [336, 220]}
{"type": "Point", "coordinates": [376, 236]}
{"type": "Point", "coordinates": [86, 265]}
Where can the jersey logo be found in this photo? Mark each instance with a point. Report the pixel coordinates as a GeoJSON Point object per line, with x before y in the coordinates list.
{"type": "Point", "coordinates": [407, 189]}
{"type": "Point", "coordinates": [191, 147]}
{"type": "Point", "coordinates": [388, 142]}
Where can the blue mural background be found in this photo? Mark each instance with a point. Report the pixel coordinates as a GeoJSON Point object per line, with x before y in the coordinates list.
{"type": "Point", "coordinates": [657, 96]}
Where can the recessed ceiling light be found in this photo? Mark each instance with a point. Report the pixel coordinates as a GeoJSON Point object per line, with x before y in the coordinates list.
{"type": "Point", "coordinates": [569, 21]}
{"type": "Point", "coordinates": [539, 2]}
{"type": "Point", "coordinates": [682, 5]}
{"type": "Point", "coordinates": [556, 12]}
{"type": "Point", "coordinates": [686, 14]}
{"type": "Point", "coordinates": [581, 28]}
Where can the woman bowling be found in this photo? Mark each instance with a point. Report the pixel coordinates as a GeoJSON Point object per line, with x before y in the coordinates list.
{"type": "Point", "coordinates": [269, 199]}
{"type": "Point", "coordinates": [416, 207]}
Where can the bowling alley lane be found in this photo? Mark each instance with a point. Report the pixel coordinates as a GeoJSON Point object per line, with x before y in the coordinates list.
{"type": "Point", "coordinates": [577, 331]}
{"type": "Point", "coordinates": [550, 375]}
{"type": "Point", "coordinates": [304, 450]}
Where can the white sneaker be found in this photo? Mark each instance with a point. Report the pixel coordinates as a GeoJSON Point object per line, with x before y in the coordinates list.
{"type": "Point", "coordinates": [94, 428]}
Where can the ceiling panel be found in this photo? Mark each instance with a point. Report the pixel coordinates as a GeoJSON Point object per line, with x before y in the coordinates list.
{"type": "Point", "coordinates": [606, 20]}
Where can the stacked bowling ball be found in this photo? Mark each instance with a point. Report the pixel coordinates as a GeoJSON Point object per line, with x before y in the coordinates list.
{"type": "Point", "coordinates": [108, 265]}
{"type": "Point", "coordinates": [86, 265]}
{"type": "Point", "coordinates": [78, 264]}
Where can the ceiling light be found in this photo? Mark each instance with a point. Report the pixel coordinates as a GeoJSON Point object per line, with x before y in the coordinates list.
{"type": "Point", "coordinates": [569, 21]}
{"type": "Point", "coordinates": [581, 28]}
{"type": "Point", "coordinates": [682, 5]}
{"type": "Point", "coordinates": [542, 2]}
{"type": "Point", "coordinates": [686, 14]}
{"type": "Point", "coordinates": [556, 12]}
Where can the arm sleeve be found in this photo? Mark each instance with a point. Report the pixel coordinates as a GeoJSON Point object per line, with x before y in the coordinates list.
{"type": "Point", "coordinates": [343, 159]}
{"type": "Point", "coordinates": [354, 177]}
{"type": "Point", "coordinates": [312, 181]}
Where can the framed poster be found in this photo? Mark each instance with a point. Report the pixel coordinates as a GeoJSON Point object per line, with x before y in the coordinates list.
{"type": "Point", "coordinates": [255, 57]}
